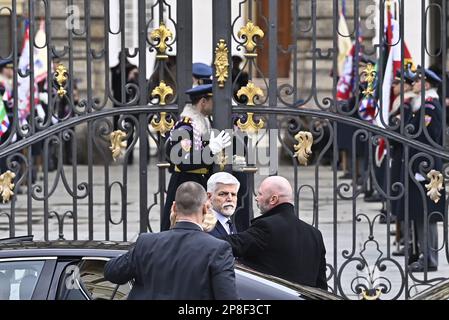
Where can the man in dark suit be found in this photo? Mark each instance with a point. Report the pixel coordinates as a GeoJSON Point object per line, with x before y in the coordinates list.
{"type": "Point", "coordinates": [277, 242]}
{"type": "Point", "coordinates": [222, 190]}
{"type": "Point", "coordinates": [182, 263]}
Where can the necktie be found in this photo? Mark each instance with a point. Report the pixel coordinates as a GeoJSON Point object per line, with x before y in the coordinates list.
{"type": "Point", "coordinates": [231, 227]}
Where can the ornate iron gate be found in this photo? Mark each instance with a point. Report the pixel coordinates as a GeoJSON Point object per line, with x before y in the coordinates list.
{"type": "Point", "coordinates": [78, 140]}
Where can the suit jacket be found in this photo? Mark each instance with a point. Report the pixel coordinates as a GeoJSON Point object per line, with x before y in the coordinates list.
{"type": "Point", "coordinates": [182, 263]}
{"type": "Point", "coordinates": [280, 244]}
{"type": "Point", "coordinates": [219, 231]}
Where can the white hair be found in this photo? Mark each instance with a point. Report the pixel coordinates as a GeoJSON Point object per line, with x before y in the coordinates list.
{"type": "Point", "coordinates": [221, 177]}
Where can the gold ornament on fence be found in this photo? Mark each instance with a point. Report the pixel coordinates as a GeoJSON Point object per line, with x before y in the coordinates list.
{"type": "Point", "coordinates": [250, 91]}
{"type": "Point", "coordinates": [250, 124]}
{"type": "Point", "coordinates": [161, 36]}
{"type": "Point", "coordinates": [370, 76]}
{"type": "Point", "coordinates": [117, 143]}
{"type": "Point", "coordinates": [61, 76]}
{"type": "Point", "coordinates": [248, 33]}
{"type": "Point", "coordinates": [221, 62]}
{"type": "Point", "coordinates": [6, 185]}
{"type": "Point", "coordinates": [375, 295]}
{"type": "Point", "coordinates": [303, 149]}
{"type": "Point", "coordinates": [163, 125]}
{"type": "Point", "coordinates": [435, 185]}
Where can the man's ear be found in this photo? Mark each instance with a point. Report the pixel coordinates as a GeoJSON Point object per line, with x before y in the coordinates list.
{"type": "Point", "coordinates": [173, 206]}
{"type": "Point", "coordinates": [209, 195]}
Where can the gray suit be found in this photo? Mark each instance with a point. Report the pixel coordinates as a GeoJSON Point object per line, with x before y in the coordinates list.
{"type": "Point", "coordinates": [181, 263]}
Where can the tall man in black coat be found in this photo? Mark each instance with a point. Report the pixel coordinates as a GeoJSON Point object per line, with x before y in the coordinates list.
{"type": "Point", "coordinates": [182, 263]}
{"type": "Point", "coordinates": [277, 242]}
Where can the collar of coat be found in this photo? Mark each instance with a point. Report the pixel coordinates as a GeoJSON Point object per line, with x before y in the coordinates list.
{"type": "Point", "coordinates": [285, 208]}
{"type": "Point", "coordinates": [198, 119]}
{"type": "Point", "coordinates": [187, 225]}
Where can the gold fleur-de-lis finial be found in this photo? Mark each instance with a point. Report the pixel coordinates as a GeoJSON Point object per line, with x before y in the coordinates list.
{"type": "Point", "coordinates": [435, 185]}
{"type": "Point", "coordinates": [303, 149]}
{"type": "Point", "coordinates": [250, 91]}
{"type": "Point", "coordinates": [163, 125]}
{"type": "Point", "coordinates": [221, 62]}
{"type": "Point", "coordinates": [370, 295]}
{"type": "Point", "coordinates": [61, 76]}
{"type": "Point", "coordinates": [370, 76]}
{"type": "Point", "coordinates": [162, 90]}
{"type": "Point", "coordinates": [370, 73]}
{"type": "Point", "coordinates": [161, 36]}
{"type": "Point", "coordinates": [117, 143]}
{"type": "Point", "coordinates": [248, 33]}
{"type": "Point", "coordinates": [6, 185]}
{"type": "Point", "coordinates": [250, 125]}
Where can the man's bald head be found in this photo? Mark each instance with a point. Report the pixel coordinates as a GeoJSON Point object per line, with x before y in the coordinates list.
{"type": "Point", "coordinates": [273, 191]}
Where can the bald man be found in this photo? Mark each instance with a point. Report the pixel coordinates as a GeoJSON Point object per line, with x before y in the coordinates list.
{"type": "Point", "coordinates": [277, 242]}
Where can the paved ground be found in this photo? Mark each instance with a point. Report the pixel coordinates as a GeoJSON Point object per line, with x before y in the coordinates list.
{"type": "Point", "coordinates": [341, 236]}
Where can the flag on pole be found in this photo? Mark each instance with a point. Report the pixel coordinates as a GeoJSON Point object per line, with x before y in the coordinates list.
{"type": "Point", "coordinates": [344, 43]}
{"type": "Point", "coordinates": [392, 64]}
{"type": "Point", "coordinates": [40, 71]}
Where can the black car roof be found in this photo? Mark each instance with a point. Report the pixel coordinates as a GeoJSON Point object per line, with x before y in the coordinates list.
{"type": "Point", "coordinates": [62, 248]}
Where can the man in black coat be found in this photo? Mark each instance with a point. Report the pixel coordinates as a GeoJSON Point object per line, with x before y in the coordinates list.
{"type": "Point", "coordinates": [182, 263]}
{"type": "Point", "coordinates": [277, 242]}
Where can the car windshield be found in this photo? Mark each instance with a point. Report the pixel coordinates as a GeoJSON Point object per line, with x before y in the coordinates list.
{"type": "Point", "coordinates": [18, 279]}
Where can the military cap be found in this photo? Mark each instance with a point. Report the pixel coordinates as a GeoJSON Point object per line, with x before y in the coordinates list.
{"type": "Point", "coordinates": [201, 90]}
{"type": "Point", "coordinates": [409, 76]}
{"type": "Point", "coordinates": [432, 77]}
{"type": "Point", "coordinates": [6, 63]}
{"type": "Point", "coordinates": [201, 70]}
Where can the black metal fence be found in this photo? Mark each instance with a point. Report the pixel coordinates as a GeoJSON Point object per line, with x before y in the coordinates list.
{"type": "Point", "coordinates": [51, 136]}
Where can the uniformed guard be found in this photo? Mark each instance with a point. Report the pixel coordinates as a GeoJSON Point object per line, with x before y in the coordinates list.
{"type": "Point", "coordinates": [397, 154]}
{"type": "Point", "coordinates": [201, 73]}
{"type": "Point", "coordinates": [427, 124]}
{"type": "Point", "coordinates": [192, 145]}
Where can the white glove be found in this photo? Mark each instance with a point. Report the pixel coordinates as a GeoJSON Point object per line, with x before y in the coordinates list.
{"type": "Point", "coordinates": [216, 144]}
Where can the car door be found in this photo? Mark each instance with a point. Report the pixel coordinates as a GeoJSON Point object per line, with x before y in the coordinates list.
{"type": "Point", "coordinates": [26, 278]}
{"type": "Point", "coordinates": [84, 280]}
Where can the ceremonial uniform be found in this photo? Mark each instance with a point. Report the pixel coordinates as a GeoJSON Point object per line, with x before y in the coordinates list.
{"type": "Point", "coordinates": [431, 124]}
{"type": "Point", "coordinates": [191, 148]}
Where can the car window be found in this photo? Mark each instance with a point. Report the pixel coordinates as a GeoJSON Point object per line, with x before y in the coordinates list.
{"type": "Point", "coordinates": [18, 279]}
{"type": "Point", "coordinates": [85, 280]}
{"type": "Point", "coordinates": [92, 278]}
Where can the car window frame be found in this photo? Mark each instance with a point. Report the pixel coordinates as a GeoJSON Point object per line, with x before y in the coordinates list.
{"type": "Point", "coordinates": [105, 259]}
{"type": "Point", "coordinates": [42, 286]}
